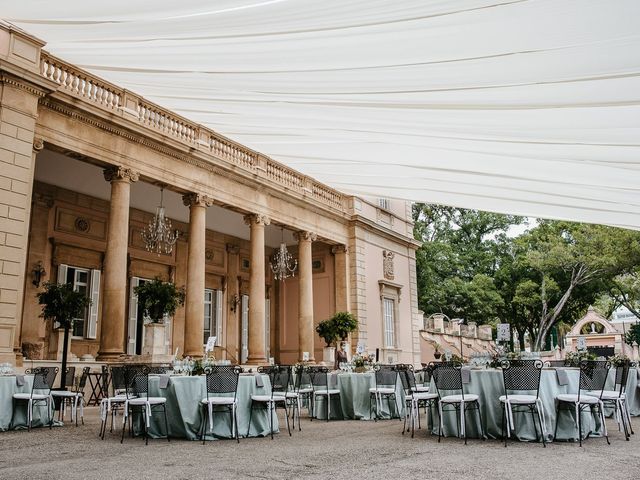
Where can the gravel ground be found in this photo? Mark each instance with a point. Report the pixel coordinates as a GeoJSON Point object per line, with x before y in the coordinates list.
{"type": "Point", "coordinates": [348, 450]}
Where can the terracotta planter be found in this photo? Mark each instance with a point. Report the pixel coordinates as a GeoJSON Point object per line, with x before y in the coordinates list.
{"type": "Point", "coordinates": [437, 355]}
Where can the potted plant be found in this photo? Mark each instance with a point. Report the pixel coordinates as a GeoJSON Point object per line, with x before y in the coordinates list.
{"type": "Point", "coordinates": [157, 299]}
{"type": "Point", "coordinates": [62, 304]}
{"type": "Point", "coordinates": [344, 324]}
{"type": "Point", "coordinates": [436, 350]}
{"type": "Point", "coordinates": [327, 331]}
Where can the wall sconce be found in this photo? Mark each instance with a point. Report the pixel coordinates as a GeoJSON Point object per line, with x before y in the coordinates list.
{"type": "Point", "coordinates": [234, 302]}
{"type": "Point", "coordinates": [38, 272]}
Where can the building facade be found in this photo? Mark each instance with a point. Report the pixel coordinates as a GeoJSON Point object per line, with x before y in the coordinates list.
{"type": "Point", "coordinates": [82, 166]}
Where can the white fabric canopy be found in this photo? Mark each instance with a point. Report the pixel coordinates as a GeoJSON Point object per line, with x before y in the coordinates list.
{"type": "Point", "coordinates": [529, 107]}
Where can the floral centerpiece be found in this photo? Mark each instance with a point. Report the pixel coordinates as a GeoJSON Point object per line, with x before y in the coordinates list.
{"type": "Point", "coordinates": [573, 359]}
{"type": "Point", "coordinates": [619, 360]}
{"type": "Point", "coordinates": [361, 361]}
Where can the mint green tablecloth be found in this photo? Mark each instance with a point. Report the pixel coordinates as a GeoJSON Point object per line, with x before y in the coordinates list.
{"type": "Point", "coordinates": [488, 385]}
{"type": "Point", "coordinates": [184, 413]}
{"type": "Point", "coordinates": [8, 387]}
{"type": "Point", "coordinates": [353, 402]}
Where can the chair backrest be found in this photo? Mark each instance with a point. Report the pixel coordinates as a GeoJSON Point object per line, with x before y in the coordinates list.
{"type": "Point", "coordinates": [118, 380]}
{"type": "Point", "coordinates": [70, 376]}
{"type": "Point", "coordinates": [554, 363]}
{"type": "Point", "coordinates": [622, 375]}
{"type": "Point", "coordinates": [83, 379]}
{"type": "Point", "coordinates": [593, 375]}
{"type": "Point", "coordinates": [52, 373]}
{"type": "Point", "coordinates": [319, 376]}
{"type": "Point", "coordinates": [447, 376]}
{"type": "Point", "coordinates": [386, 376]}
{"type": "Point", "coordinates": [302, 378]}
{"type": "Point", "coordinates": [279, 376]}
{"type": "Point", "coordinates": [105, 378]}
{"type": "Point", "coordinates": [42, 379]}
{"type": "Point", "coordinates": [405, 372]}
{"type": "Point", "coordinates": [222, 380]}
{"type": "Point", "coordinates": [137, 380]}
{"type": "Point", "coordinates": [426, 375]}
{"type": "Point", "coordinates": [158, 369]}
{"type": "Point", "coordinates": [521, 375]}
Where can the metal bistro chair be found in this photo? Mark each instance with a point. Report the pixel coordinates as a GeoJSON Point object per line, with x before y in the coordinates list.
{"type": "Point", "coordinates": [617, 398]}
{"type": "Point", "coordinates": [448, 377]}
{"type": "Point", "coordinates": [138, 379]}
{"type": "Point", "coordinates": [112, 403]}
{"type": "Point", "coordinates": [303, 387]}
{"type": "Point", "coordinates": [222, 391]}
{"type": "Point", "coordinates": [292, 398]}
{"type": "Point", "coordinates": [320, 382]}
{"type": "Point", "coordinates": [40, 394]}
{"type": "Point", "coordinates": [279, 376]}
{"type": "Point", "coordinates": [520, 377]}
{"type": "Point", "coordinates": [414, 398]}
{"type": "Point", "coordinates": [74, 397]}
{"type": "Point", "coordinates": [386, 378]}
{"type": "Point", "coordinates": [593, 376]}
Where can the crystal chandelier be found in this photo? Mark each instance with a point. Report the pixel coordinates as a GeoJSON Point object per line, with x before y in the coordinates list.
{"type": "Point", "coordinates": [158, 236]}
{"type": "Point", "coordinates": [283, 264]}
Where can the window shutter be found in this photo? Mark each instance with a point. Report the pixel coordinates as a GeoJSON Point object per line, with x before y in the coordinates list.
{"type": "Point", "coordinates": [219, 317]}
{"type": "Point", "coordinates": [62, 273]}
{"type": "Point", "coordinates": [133, 317]}
{"type": "Point", "coordinates": [92, 328]}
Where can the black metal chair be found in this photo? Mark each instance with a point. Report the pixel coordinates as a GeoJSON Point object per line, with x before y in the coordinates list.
{"type": "Point", "coordinates": [303, 388]}
{"type": "Point", "coordinates": [617, 398]}
{"type": "Point", "coordinates": [111, 403]}
{"type": "Point", "coordinates": [137, 378]}
{"type": "Point", "coordinates": [279, 377]}
{"type": "Point", "coordinates": [414, 398]}
{"type": "Point", "coordinates": [40, 394]}
{"type": "Point", "coordinates": [521, 378]}
{"type": "Point", "coordinates": [448, 377]}
{"type": "Point", "coordinates": [319, 376]}
{"type": "Point", "coordinates": [593, 376]}
{"type": "Point", "coordinates": [73, 397]}
{"type": "Point", "coordinates": [386, 377]}
{"type": "Point", "coordinates": [222, 390]}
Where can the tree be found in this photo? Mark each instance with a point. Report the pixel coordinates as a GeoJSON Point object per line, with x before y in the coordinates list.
{"type": "Point", "coordinates": [60, 303]}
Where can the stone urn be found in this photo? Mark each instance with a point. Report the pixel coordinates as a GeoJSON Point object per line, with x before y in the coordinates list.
{"type": "Point", "coordinates": [154, 338]}
{"type": "Point", "coordinates": [329, 355]}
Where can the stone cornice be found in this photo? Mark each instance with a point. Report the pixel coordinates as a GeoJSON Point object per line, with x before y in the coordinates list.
{"type": "Point", "coordinates": [384, 232]}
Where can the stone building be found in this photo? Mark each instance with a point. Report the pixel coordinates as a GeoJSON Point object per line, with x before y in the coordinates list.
{"type": "Point", "coordinates": [82, 164]}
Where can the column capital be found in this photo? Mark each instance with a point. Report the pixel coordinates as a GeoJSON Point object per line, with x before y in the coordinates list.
{"type": "Point", "coordinates": [115, 173]}
{"type": "Point", "coordinates": [305, 236]}
{"type": "Point", "coordinates": [197, 199]}
{"type": "Point", "coordinates": [339, 249]}
{"type": "Point", "coordinates": [256, 219]}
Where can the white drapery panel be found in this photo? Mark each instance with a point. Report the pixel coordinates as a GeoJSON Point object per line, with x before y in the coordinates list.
{"type": "Point", "coordinates": [525, 106]}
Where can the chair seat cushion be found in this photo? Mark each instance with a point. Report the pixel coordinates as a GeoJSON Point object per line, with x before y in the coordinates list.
{"type": "Point", "coordinates": [382, 390]}
{"type": "Point", "coordinates": [150, 400]}
{"type": "Point", "coordinates": [288, 394]}
{"type": "Point", "coordinates": [27, 396]}
{"type": "Point", "coordinates": [64, 393]}
{"type": "Point", "coordinates": [420, 388]}
{"type": "Point", "coordinates": [219, 400]}
{"type": "Point", "coordinates": [305, 390]}
{"type": "Point", "coordinates": [422, 396]}
{"type": "Point", "coordinates": [573, 398]}
{"type": "Point", "coordinates": [267, 398]}
{"type": "Point", "coordinates": [331, 391]}
{"type": "Point", "coordinates": [519, 399]}
{"type": "Point", "coordinates": [607, 395]}
{"type": "Point", "coordinates": [469, 397]}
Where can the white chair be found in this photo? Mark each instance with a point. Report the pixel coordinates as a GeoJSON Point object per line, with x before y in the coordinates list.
{"type": "Point", "coordinates": [448, 377]}
{"type": "Point", "coordinates": [138, 378]}
{"type": "Point", "coordinates": [593, 375]}
{"type": "Point", "coordinates": [386, 377]}
{"type": "Point", "coordinates": [111, 404]}
{"type": "Point", "coordinates": [74, 397]}
{"type": "Point", "coordinates": [320, 382]}
{"type": "Point", "coordinates": [222, 388]}
{"type": "Point", "coordinates": [520, 377]}
{"type": "Point", "coordinates": [413, 397]}
{"type": "Point", "coordinates": [43, 378]}
{"type": "Point", "coordinates": [279, 377]}
{"type": "Point", "coordinates": [617, 399]}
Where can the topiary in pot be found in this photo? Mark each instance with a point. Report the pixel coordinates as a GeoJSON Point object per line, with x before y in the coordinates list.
{"type": "Point", "coordinates": [158, 298]}
{"type": "Point", "coordinates": [327, 331]}
{"type": "Point", "coordinates": [344, 324]}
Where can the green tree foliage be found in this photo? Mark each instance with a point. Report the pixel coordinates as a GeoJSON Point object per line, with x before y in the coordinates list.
{"type": "Point", "coordinates": [159, 298]}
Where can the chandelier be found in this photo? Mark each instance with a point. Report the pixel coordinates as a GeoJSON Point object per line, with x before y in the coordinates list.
{"type": "Point", "coordinates": [158, 236]}
{"type": "Point", "coordinates": [283, 264]}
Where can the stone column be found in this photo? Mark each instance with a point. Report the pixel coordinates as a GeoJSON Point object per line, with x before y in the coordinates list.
{"type": "Point", "coordinates": [341, 261]}
{"type": "Point", "coordinates": [194, 303]}
{"type": "Point", "coordinates": [306, 333]}
{"type": "Point", "coordinates": [257, 354]}
{"type": "Point", "coordinates": [114, 296]}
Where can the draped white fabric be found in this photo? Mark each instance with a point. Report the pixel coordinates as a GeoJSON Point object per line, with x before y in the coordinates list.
{"type": "Point", "coordinates": [519, 106]}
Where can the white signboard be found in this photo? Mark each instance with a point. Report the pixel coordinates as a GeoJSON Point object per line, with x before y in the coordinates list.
{"type": "Point", "coordinates": [211, 343]}
{"type": "Point", "coordinates": [305, 356]}
{"type": "Point", "coordinates": [582, 343]}
{"type": "Point", "coordinates": [360, 349]}
{"type": "Point", "coordinates": [504, 332]}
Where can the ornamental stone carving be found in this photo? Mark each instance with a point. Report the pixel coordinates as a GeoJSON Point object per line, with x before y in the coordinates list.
{"type": "Point", "coordinates": [233, 249]}
{"type": "Point", "coordinates": [304, 236]}
{"type": "Point", "coordinates": [339, 249]}
{"type": "Point", "coordinates": [256, 219]}
{"type": "Point", "coordinates": [197, 199]}
{"type": "Point", "coordinates": [119, 173]}
{"type": "Point", "coordinates": [387, 264]}
{"type": "Point", "coordinates": [38, 144]}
